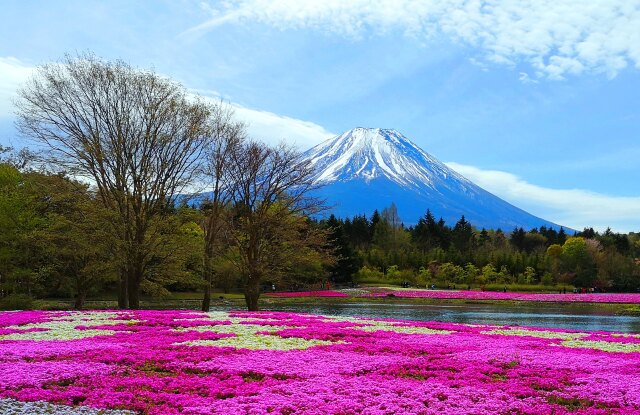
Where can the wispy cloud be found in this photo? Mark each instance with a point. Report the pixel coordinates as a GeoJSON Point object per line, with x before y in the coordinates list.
{"type": "Point", "coordinates": [556, 38]}
{"type": "Point", "coordinates": [262, 125]}
{"type": "Point", "coordinates": [13, 72]}
{"type": "Point", "coordinates": [574, 208]}
{"type": "Point", "coordinates": [526, 79]}
{"type": "Point", "coordinates": [274, 128]}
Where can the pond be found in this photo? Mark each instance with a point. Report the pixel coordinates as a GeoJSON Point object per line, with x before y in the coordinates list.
{"type": "Point", "coordinates": [554, 315]}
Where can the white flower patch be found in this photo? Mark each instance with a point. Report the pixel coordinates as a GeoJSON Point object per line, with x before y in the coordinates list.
{"type": "Point", "coordinates": [262, 342]}
{"type": "Point", "coordinates": [64, 327]}
{"type": "Point", "coordinates": [375, 325]}
{"type": "Point", "coordinates": [354, 292]}
{"type": "Point", "coordinates": [13, 407]}
{"type": "Point", "coordinates": [543, 334]}
{"type": "Point", "coordinates": [248, 336]}
{"type": "Point", "coordinates": [626, 335]}
{"type": "Point", "coordinates": [224, 316]}
{"type": "Point", "coordinates": [253, 336]}
{"type": "Point", "coordinates": [342, 319]}
{"type": "Point", "coordinates": [235, 328]}
{"type": "Point", "coordinates": [603, 345]}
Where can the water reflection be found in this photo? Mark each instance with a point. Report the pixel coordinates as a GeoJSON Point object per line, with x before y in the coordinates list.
{"type": "Point", "coordinates": [548, 315]}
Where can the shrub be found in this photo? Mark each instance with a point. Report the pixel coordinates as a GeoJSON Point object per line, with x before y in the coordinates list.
{"type": "Point", "coordinates": [16, 302]}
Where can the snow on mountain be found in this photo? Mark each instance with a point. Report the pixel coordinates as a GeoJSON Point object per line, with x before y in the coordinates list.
{"type": "Point", "coordinates": [365, 169]}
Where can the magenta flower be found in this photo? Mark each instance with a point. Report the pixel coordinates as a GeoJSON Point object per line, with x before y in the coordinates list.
{"type": "Point", "coordinates": [187, 362]}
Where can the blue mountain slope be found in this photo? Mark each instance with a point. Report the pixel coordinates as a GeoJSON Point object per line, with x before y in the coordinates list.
{"type": "Point", "coordinates": [365, 169]}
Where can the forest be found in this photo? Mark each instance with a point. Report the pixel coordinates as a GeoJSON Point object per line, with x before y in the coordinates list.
{"type": "Point", "coordinates": [380, 249]}
{"type": "Point", "coordinates": [55, 243]}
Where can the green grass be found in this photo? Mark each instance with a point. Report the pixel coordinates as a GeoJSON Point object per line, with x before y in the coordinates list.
{"type": "Point", "coordinates": [633, 310]}
{"type": "Point", "coordinates": [197, 296]}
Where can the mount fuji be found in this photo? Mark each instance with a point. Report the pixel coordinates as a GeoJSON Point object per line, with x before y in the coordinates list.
{"type": "Point", "coordinates": [366, 169]}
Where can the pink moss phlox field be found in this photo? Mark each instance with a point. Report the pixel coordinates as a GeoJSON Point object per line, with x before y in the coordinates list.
{"type": "Point", "coordinates": [187, 362]}
{"type": "Point", "coordinates": [493, 295]}
{"type": "Point", "coordinates": [471, 295]}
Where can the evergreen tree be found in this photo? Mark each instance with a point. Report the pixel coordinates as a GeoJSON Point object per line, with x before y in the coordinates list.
{"type": "Point", "coordinates": [424, 235]}
{"type": "Point", "coordinates": [462, 236]}
{"type": "Point", "coordinates": [517, 238]}
{"type": "Point", "coordinates": [348, 263]}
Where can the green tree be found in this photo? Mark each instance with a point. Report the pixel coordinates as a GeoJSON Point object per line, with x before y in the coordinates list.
{"type": "Point", "coordinates": [554, 256]}
{"type": "Point", "coordinates": [347, 263]}
{"type": "Point", "coordinates": [137, 135]}
{"type": "Point", "coordinates": [576, 260]}
{"type": "Point", "coordinates": [270, 198]}
{"type": "Point", "coordinates": [462, 236]}
{"type": "Point", "coordinates": [226, 137]}
{"type": "Point", "coordinates": [18, 220]}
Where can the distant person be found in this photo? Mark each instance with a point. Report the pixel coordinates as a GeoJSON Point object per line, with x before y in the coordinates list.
{"type": "Point", "coordinates": [273, 287]}
{"type": "Point", "coordinates": [505, 289]}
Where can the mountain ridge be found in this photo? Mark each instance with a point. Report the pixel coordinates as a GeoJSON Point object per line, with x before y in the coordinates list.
{"type": "Point", "coordinates": [364, 169]}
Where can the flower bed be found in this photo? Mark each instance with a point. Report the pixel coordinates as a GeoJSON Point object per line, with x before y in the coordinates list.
{"type": "Point", "coordinates": [187, 362]}
{"type": "Point", "coordinates": [492, 295]}
{"type": "Point", "coordinates": [469, 295]}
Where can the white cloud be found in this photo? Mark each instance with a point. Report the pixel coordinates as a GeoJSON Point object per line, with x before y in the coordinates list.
{"type": "Point", "coordinates": [574, 208]}
{"type": "Point", "coordinates": [274, 128]}
{"type": "Point", "coordinates": [12, 73]}
{"type": "Point", "coordinates": [526, 79]}
{"type": "Point", "coordinates": [557, 38]}
{"type": "Point", "coordinates": [262, 125]}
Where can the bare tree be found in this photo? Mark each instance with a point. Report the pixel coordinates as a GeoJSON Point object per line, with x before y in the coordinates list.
{"type": "Point", "coordinates": [23, 160]}
{"type": "Point", "coordinates": [270, 196]}
{"type": "Point", "coordinates": [227, 135]}
{"type": "Point", "coordinates": [136, 135]}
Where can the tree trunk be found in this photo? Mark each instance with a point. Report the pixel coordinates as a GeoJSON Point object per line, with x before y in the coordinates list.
{"type": "Point", "coordinates": [134, 297]}
{"type": "Point", "coordinates": [210, 230]}
{"type": "Point", "coordinates": [123, 295]}
{"type": "Point", "coordinates": [79, 301]}
{"type": "Point", "coordinates": [252, 293]}
{"type": "Point", "coordinates": [206, 301]}
{"type": "Point", "coordinates": [135, 278]}
{"type": "Point", "coordinates": [207, 270]}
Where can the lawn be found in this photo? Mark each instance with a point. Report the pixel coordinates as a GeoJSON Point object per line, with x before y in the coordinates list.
{"type": "Point", "coordinates": [170, 362]}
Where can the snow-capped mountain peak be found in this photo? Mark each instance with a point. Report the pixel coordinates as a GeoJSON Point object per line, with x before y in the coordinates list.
{"type": "Point", "coordinates": [369, 153]}
{"type": "Point", "coordinates": [369, 168]}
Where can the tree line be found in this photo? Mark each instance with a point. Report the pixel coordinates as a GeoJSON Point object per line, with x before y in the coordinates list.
{"type": "Point", "coordinates": [381, 249]}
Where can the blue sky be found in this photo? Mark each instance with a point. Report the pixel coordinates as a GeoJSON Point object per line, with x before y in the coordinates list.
{"type": "Point", "coordinates": [537, 101]}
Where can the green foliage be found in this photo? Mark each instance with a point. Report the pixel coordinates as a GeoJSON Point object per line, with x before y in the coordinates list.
{"type": "Point", "coordinates": [435, 252]}
{"type": "Point", "coordinates": [450, 273]}
{"type": "Point", "coordinates": [16, 302]}
{"type": "Point", "coordinates": [368, 275]}
{"type": "Point", "coordinates": [54, 244]}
